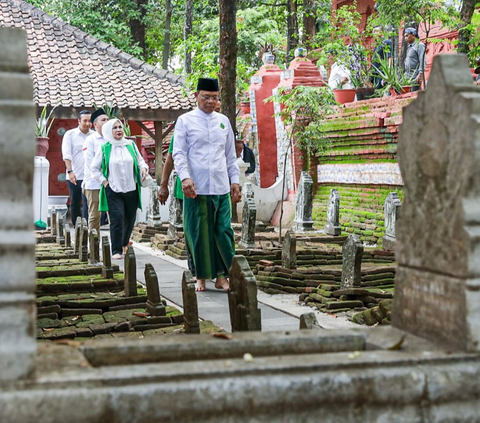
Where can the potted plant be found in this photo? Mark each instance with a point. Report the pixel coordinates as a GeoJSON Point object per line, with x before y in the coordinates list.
{"type": "Point", "coordinates": [42, 129]}
{"type": "Point", "coordinates": [396, 82]}
{"type": "Point", "coordinates": [363, 87]}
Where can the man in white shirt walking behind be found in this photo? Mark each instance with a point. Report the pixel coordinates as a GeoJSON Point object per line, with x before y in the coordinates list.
{"type": "Point", "coordinates": [205, 159]}
{"type": "Point", "coordinates": [91, 187]}
{"type": "Point", "coordinates": [72, 152]}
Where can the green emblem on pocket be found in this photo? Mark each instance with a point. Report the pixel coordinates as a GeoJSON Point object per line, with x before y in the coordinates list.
{"type": "Point", "coordinates": [222, 126]}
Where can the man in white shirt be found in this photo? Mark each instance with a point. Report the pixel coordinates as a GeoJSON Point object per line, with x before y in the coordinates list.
{"type": "Point", "coordinates": [205, 159]}
{"type": "Point", "coordinates": [72, 153]}
{"type": "Point", "coordinates": [91, 187]}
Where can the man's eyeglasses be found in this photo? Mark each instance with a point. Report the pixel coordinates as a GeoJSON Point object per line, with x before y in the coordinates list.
{"type": "Point", "coordinates": [207, 98]}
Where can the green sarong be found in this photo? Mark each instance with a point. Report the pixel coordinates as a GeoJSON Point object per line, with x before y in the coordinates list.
{"type": "Point", "coordinates": [209, 234]}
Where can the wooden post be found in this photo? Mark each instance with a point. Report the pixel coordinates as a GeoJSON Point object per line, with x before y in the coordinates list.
{"type": "Point", "coordinates": [158, 151]}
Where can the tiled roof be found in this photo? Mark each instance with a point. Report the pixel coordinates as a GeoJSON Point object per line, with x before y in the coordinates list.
{"type": "Point", "coordinates": [73, 68]}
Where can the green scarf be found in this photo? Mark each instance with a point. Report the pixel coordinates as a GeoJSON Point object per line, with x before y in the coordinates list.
{"type": "Point", "coordinates": [106, 151]}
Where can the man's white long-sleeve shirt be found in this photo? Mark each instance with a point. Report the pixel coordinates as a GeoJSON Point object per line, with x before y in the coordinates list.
{"type": "Point", "coordinates": [72, 149]}
{"type": "Point", "coordinates": [92, 144]}
{"type": "Point", "coordinates": [204, 150]}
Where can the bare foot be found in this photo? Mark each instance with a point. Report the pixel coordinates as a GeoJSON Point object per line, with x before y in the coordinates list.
{"type": "Point", "coordinates": [200, 285]}
{"type": "Point", "coordinates": [116, 257]}
{"type": "Point", "coordinates": [125, 249]}
{"type": "Point", "coordinates": [222, 283]}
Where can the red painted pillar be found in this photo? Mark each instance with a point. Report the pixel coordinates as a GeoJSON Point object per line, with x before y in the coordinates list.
{"type": "Point", "coordinates": [301, 72]}
{"type": "Point", "coordinates": [263, 82]}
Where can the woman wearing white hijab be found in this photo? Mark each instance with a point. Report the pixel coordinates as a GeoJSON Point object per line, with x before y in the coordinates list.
{"type": "Point", "coordinates": [120, 169]}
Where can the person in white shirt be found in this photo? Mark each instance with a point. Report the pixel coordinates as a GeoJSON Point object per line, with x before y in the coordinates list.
{"type": "Point", "coordinates": [205, 160]}
{"type": "Point", "coordinates": [91, 187]}
{"type": "Point", "coordinates": [72, 153]}
{"type": "Point", "coordinates": [120, 169]}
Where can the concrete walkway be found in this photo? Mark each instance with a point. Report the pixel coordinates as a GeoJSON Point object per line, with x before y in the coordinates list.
{"type": "Point", "coordinates": [279, 312]}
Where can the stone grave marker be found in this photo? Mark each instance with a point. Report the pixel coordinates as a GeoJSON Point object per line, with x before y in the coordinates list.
{"type": "Point", "coordinates": [309, 321]}
{"type": "Point", "coordinates": [67, 235]}
{"type": "Point", "coordinates": [303, 208]}
{"type": "Point", "coordinates": [53, 227]}
{"type": "Point", "coordinates": [60, 235]}
{"type": "Point", "coordinates": [249, 216]}
{"type": "Point", "coordinates": [130, 270]}
{"type": "Point", "coordinates": [154, 303]}
{"type": "Point", "coordinates": [289, 250]}
{"type": "Point", "coordinates": [153, 215]}
{"type": "Point", "coordinates": [437, 284]}
{"type": "Point", "coordinates": [352, 251]}
{"type": "Point", "coordinates": [17, 242]}
{"type": "Point", "coordinates": [248, 190]}
{"type": "Point", "coordinates": [94, 247]}
{"type": "Point", "coordinates": [78, 237]}
{"type": "Point", "coordinates": [242, 297]}
{"type": "Point", "coordinates": [392, 213]}
{"type": "Point", "coordinates": [107, 270]}
{"type": "Point", "coordinates": [190, 305]}
{"type": "Point", "coordinates": [333, 214]}
{"type": "Point", "coordinates": [175, 217]}
{"type": "Point", "coordinates": [83, 244]}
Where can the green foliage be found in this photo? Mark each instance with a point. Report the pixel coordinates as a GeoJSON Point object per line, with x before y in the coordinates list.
{"type": "Point", "coordinates": [303, 111]}
{"type": "Point", "coordinates": [44, 123]}
{"type": "Point", "coordinates": [392, 76]}
{"type": "Point", "coordinates": [254, 28]}
{"type": "Point", "coordinates": [423, 12]}
{"type": "Point", "coordinates": [102, 19]}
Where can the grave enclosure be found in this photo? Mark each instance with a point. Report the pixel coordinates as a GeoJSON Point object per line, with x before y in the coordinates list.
{"type": "Point", "coordinates": [379, 374]}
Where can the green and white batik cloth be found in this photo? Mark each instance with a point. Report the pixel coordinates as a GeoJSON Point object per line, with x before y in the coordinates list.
{"type": "Point", "coordinates": [209, 234]}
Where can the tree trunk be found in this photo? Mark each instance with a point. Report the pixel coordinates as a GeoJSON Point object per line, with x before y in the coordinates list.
{"type": "Point", "coordinates": [137, 26]}
{"type": "Point", "coordinates": [187, 31]}
{"type": "Point", "coordinates": [309, 29]}
{"type": "Point", "coordinates": [166, 43]}
{"type": "Point", "coordinates": [292, 28]}
{"type": "Point", "coordinates": [228, 57]}
{"type": "Point", "coordinates": [466, 13]}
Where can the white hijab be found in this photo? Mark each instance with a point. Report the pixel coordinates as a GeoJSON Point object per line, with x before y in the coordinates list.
{"type": "Point", "coordinates": [107, 132]}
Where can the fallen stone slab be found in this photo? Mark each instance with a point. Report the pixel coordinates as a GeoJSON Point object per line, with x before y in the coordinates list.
{"type": "Point", "coordinates": [203, 347]}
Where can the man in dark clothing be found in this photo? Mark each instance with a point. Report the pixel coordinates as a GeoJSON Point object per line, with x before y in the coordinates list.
{"type": "Point", "coordinates": [246, 154]}
{"type": "Point", "coordinates": [382, 51]}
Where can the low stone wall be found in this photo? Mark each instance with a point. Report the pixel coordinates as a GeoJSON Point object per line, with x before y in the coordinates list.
{"type": "Point", "coordinates": [361, 209]}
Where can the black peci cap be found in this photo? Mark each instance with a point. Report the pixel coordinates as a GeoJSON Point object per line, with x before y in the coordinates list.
{"type": "Point", "coordinates": [97, 113]}
{"type": "Point", "coordinates": [208, 84]}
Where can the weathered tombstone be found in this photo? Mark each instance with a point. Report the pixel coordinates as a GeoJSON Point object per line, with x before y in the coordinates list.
{"type": "Point", "coordinates": [17, 240]}
{"type": "Point", "coordinates": [94, 247]}
{"type": "Point", "coordinates": [333, 214]}
{"type": "Point", "coordinates": [249, 216]}
{"type": "Point", "coordinates": [78, 237]}
{"type": "Point", "coordinates": [289, 250]}
{"type": "Point", "coordinates": [53, 227]}
{"type": "Point", "coordinates": [67, 235]}
{"type": "Point", "coordinates": [303, 208]}
{"type": "Point", "coordinates": [154, 303]}
{"type": "Point", "coordinates": [175, 217]}
{"type": "Point", "coordinates": [83, 244]}
{"type": "Point", "coordinates": [130, 270]}
{"type": "Point", "coordinates": [60, 236]}
{"type": "Point", "coordinates": [242, 297]}
{"type": "Point", "coordinates": [437, 284]}
{"type": "Point", "coordinates": [392, 213]}
{"type": "Point", "coordinates": [309, 321]}
{"type": "Point", "coordinates": [190, 305]}
{"type": "Point", "coordinates": [107, 270]}
{"type": "Point", "coordinates": [153, 215]}
{"type": "Point", "coordinates": [352, 251]}
{"type": "Point", "coordinates": [247, 191]}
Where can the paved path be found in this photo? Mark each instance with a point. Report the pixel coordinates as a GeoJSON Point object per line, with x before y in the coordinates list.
{"type": "Point", "coordinates": [212, 303]}
{"type": "Point", "coordinates": [279, 312]}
